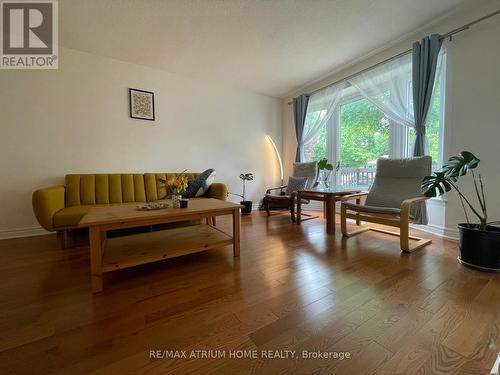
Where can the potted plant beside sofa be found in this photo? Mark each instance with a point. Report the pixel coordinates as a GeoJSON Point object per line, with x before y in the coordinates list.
{"type": "Point", "coordinates": [479, 242]}
{"type": "Point", "coordinates": [244, 177]}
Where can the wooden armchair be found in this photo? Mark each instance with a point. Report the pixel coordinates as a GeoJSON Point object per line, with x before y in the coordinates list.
{"type": "Point", "coordinates": [286, 199]}
{"type": "Point", "coordinates": [394, 200]}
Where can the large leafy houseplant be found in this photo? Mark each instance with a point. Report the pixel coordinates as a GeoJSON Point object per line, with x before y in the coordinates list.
{"type": "Point", "coordinates": [479, 242]}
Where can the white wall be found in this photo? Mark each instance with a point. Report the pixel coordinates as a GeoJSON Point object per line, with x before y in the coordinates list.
{"type": "Point", "coordinates": [473, 110]}
{"type": "Point", "coordinates": [75, 120]}
{"type": "Point", "coordinates": [472, 113]}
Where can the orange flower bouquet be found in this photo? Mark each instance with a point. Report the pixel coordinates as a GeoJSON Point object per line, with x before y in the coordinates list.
{"type": "Point", "coordinates": [175, 186]}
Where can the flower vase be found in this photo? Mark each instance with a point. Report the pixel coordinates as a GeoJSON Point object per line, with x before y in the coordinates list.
{"type": "Point", "coordinates": [323, 180]}
{"type": "Point", "coordinates": [176, 200]}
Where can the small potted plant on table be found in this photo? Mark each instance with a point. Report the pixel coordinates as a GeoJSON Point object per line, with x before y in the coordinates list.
{"type": "Point", "coordinates": [248, 204]}
{"type": "Point", "coordinates": [479, 243]}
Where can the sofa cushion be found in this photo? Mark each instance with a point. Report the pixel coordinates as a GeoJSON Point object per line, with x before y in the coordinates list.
{"type": "Point", "coordinates": [71, 216]}
{"type": "Point", "coordinates": [88, 189]}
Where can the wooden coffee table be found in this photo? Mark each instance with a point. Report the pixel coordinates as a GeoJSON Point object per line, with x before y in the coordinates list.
{"type": "Point", "coordinates": [328, 196]}
{"type": "Point", "coordinates": [110, 254]}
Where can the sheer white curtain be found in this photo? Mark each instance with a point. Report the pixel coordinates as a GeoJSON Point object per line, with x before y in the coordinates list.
{"type": "Point", "coordinates": [319, 111]}
{"type": "Point", "coordinates": [387, 86]}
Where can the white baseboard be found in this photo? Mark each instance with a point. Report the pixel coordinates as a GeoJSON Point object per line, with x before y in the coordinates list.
{"type": "Point", "coordinates": [22, 232]}
{"type": "Point", "coordinates": [449, 233]}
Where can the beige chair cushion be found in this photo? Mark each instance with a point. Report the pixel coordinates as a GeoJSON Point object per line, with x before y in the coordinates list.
{"type": "Point", "coordinates": [309, 170]}
{"type": "Point", "coordinates": [372, 209]}
{"type": "Point", "coordinates": [397, 180]}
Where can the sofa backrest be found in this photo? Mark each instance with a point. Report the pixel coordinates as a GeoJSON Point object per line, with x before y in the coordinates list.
{"type": "Point", "coordinates": [88, 189]}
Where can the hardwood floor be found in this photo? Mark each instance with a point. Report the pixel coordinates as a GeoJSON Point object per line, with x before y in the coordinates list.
{"type": "Point", "coordinates": [293, 288]}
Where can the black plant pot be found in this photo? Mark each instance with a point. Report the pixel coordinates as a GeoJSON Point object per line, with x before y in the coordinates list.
{"type": "Point", "coordinates": [480, 249]}
{"type": "Point", "coordinates": [248, 207]}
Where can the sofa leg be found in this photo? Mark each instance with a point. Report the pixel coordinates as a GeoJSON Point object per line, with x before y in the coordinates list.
{"type": "Point", "coordinates": [63, 238]}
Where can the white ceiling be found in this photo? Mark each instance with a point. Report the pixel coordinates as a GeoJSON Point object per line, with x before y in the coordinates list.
{"type": "Point", "coordinates": [267, 46]}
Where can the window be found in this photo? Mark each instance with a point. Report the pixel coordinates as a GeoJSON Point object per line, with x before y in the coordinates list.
{"type": "Point", "coordinates": [358, 132]}
{"type": "Point", "coordinates": [364, 134]}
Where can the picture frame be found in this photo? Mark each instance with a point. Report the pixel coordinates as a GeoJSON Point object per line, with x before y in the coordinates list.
{"type": "Point", "coordinates": [142, 104]}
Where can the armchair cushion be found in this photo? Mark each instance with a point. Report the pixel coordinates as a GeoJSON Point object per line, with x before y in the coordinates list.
{"type": "Point", "coordinates": [279, 197]}
{"type": "Point", "coordinates": [372, 209]}
{"type": "Point", "coordinates": [308, 170]}
{"type": "Point", "coordinates": [397, 180]}
{"type": "Point", "coordinates": [295, 183]}
{"type": "Point", "coordinates": [284, 198]}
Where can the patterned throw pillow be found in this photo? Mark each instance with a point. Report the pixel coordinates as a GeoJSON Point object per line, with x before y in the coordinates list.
{"type": "Point", "coordinates": [295, 183]}
{"type": "Point", "coordinates": [199, 186]}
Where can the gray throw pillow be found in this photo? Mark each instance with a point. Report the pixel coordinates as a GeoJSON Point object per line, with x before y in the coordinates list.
{"type": "Point", "coordinates": [295, 183]}
{"type": "Point", "coordinates": [199, 186]}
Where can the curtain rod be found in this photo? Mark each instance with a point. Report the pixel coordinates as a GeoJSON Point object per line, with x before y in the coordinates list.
{"type": "Point", "coordinates": [449, 34]}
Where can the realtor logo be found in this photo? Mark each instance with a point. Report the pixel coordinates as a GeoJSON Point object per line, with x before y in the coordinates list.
{"type": "Point", "coordinates": [29, 34]}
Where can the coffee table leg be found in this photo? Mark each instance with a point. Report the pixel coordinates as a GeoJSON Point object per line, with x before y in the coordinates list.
{"type": "Point", "coordinates": [236, 233]}
{"type": "Point", "coordinates": [95, 258]}
{"type": "Point", "coordinates": [330, 214]}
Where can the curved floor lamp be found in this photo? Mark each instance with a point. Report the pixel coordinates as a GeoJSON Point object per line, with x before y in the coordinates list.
{"type": "Point", "coordinates": [277, 155]}
{"type": "Point", "coordinates": [309, 216]}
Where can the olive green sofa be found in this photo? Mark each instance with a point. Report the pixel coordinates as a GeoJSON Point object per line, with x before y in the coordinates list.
{"type": "Point", "coordinates": [60, 208]}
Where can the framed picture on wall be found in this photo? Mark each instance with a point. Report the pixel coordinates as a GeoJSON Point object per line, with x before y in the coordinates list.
{"type": "Point", "coordinates": [142, 104]}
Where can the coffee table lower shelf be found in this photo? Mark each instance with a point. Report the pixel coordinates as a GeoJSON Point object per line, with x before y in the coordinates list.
{"type": "Point", "coordinates": [137, 249]}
